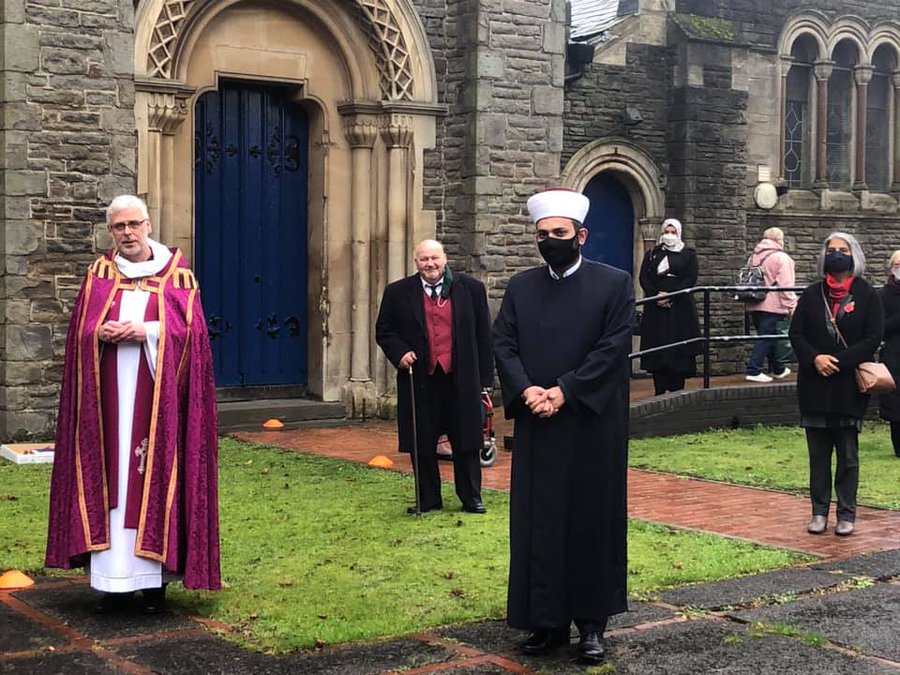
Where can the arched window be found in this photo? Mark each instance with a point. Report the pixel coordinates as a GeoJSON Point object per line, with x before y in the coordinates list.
{"type": "Point", "coordinates": [878, 137]}
{"type": "Point", "coordinates": [839, 130]}
{"type": "Point", "coordinates": [798, 114]}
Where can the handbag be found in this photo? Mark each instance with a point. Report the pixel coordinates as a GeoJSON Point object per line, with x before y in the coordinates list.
{"type": "Point", "coordinates": [872, 377]}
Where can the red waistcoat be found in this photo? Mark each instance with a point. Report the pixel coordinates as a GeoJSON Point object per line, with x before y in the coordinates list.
{"type": "Point", "coordinates": [439, 327]}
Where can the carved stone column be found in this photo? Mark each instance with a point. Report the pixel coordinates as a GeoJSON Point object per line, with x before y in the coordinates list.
{"type": "Point", "coordinates": [397, 133]}
{"type": "Point", "coordinates": [822, 70]}
{"type": "Point", "coordinates": [895, 178]}
{"type": "Point", "coordinates": [165, 109]}
{"type": "Point", "coordinates": [361, 132]}
{"type": "Point", "coordinates": [862, 75]}
{"type": "Point", "coordinates": [786, 63]}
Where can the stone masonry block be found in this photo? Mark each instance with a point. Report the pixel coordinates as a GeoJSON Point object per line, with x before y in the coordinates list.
{"type": "Point", "coordinates": [547, 100]}
{"type": "Point", "coordinates": [21, 116]}
{"type": "Point", "coordinates": [24, 425]}
{"type": "Point", "coordinates": [28, 343]}
{"type": "Point", "coordinates": [12, 11]}
{"type": "Point", "coordinates": [119, 53]}
{"type": "Point", "coordinates": [546, 165]}
{"type": "Point", "coordinates": [554, 38]}
{"type": "Point", "coordinates": [25, 183]}
{"type": "Point", "coordinates": [490, 64]}
{"type": "Point", "coordinates": [63, 61]}
{"type": "Point", "coordinates": [22, 237]}
{"type": "Point", "coordinates": [22, 372]}
{"type": "Point", "coordinates": [21, 47]}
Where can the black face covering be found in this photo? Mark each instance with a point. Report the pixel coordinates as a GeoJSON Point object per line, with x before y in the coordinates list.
{"type": "Point", "coordinates": [837, 262]}
{"type": "Point", "coordinates": [559, 253]}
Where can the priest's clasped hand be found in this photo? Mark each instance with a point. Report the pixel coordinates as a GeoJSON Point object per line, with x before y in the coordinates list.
{"type": "Point", "coordinates": [122, 331]}
{"type": "Point", "coordinates": [544, 402]}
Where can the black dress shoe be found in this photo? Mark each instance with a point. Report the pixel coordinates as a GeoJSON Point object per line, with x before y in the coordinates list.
{"type": "Point", "coordinates": [545, 640]}
{"type": "Point", "coordinates": [590, 647]}
{"type": "Point", "coordinates": [110, 603]}
{"type": "Point", "coordinates": [154, 600]}
{"type": "Point", "coordinates": [477, 507]}
{"type": "Point", "coordinates": [424, 509]}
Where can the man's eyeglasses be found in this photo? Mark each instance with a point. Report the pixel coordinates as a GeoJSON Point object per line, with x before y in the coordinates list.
{"type": "Point", "coordinates": [132, 225]}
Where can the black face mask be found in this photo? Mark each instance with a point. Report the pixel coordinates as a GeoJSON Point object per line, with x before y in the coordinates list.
{"type": "Point", "coordinates": [837, 262]}
{"type": "Point", "coordinates": [560, 253]}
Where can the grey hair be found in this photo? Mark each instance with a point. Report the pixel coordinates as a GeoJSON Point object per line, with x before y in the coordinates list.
{"type": "Point", "coordinates": [859, 258]}
{"type": "Point", "coordinates": [123, 202]}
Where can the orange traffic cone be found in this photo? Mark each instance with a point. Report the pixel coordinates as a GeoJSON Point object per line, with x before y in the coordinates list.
{"type": "Point", "coordinates": [381, 462]}
{"type": "Point", "coordinates": [14, 580]}
{"type": "Point", "coordinates": [273, 424]}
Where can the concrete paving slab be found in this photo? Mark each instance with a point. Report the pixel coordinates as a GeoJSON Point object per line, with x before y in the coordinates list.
{"type": "Point", "coordinates": [19, 634]}
{"type": "Point", "coordinates": [734, 592]}
{"type": "Point", "coordinates": [76, 663]}
{"type": "Point", "coordinates": [864, 619]}
{"type": "Point", "coordinates": [709, 646]}
{"type": "Point", "coordinates": [74, 605]}
{"type": "Point", "coordinates": [878, 565]}
{"type": "Point", "coordinates": [495, 637]}
{"type": "Point", "coordinates": [209, 654]}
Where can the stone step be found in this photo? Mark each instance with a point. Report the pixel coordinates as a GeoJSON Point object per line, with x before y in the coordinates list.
{"type": "Point", "coordinates": [249, 415]}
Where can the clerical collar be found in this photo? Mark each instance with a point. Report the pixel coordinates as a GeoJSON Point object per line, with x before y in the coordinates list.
{"type": "Point", "coordinates": [569, 272]}
{"type": "Point", "coordinates": [147, 268]}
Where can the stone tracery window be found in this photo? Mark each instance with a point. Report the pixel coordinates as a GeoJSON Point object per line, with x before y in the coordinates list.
{"type": "Point", "coordinates": [798, 115]}
{"type": "Point", "coordinates": [878, 121]}
{"type": "Point", "coordinates": [839, 131]}
{"type": "Point", "coordinates": [840, 105]}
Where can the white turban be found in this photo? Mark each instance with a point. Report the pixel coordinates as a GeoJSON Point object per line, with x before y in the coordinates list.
{"type": "Point", "coordinates": [560, 203]}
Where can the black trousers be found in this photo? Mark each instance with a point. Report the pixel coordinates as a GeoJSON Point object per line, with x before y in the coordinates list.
{"type": "Point", "coordinates": [895, 437]}
{"type": "Point", "coordinates": [667, 380]}
{"type": "Point", "coordinates": [845, 443]}
{"type": "Point", "coordinates": [442, 409]}
{"type": "Point", "coordinates": [586, 626]}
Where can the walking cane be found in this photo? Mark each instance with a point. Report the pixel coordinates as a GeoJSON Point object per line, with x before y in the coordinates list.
{"type": "Point", "coordinates": [415, 455]}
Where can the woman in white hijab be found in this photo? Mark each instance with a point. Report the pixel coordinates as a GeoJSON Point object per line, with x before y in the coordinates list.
{"type": "Point", "coordinates": [669, 266]}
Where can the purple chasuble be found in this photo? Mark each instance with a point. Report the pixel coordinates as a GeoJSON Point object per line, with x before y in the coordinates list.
{"type": "Point", "coordinates": [176, 507]}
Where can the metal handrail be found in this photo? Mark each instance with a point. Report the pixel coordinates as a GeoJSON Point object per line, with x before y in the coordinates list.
{"type": "Point", "coordinates": [706, 338]}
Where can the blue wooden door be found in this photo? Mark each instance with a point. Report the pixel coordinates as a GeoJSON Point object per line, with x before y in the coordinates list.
{"type": "Point", "coordinates": [610, 222]}
{"type": "Point", "coordinates": [250, 194]}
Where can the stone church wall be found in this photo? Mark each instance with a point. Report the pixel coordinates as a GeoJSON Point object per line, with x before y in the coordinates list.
{"type": "Point", "coordinates": [66, 147]}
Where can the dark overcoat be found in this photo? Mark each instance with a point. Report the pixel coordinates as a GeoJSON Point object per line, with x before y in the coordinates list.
{"type": "Point", "coordinates": [861, 322]}
{"type": "Point", "coordinates": [665, 325]}
{"type": "Point", "coordinates": [567, 503]}
{"type": "Point", "coordinates": [889, 407]}
{"type": "Point", "coordinates": [400, 328]}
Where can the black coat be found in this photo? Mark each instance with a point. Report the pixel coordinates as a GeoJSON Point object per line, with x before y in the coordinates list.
{"type": "Point", "coordinates": [662, 325]}
{"type": "Point", "coordinates": [862, 328]}
{"type": "Point", "coordinates": [889, 407]}
{"type": "Point", "coordinates": [400, 328]}
{"type": "Point", "coordinates": [567, 502]}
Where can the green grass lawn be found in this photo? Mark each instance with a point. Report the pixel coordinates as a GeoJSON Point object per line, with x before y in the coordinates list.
{"type": "Point", "coordinates": [317, 551]}
{"type": "Point", "coordinates": [772, 457]}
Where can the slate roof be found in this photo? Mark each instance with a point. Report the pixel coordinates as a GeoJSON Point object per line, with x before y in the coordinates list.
{"type": "Point", "coordinates": [591, 17]}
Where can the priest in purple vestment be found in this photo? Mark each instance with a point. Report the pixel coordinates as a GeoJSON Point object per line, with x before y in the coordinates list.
{"type": "Point", "coordinates": [134, 490]}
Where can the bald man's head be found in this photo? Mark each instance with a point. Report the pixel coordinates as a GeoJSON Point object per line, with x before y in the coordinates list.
{"type": "Point", "coordinates": [430, 260]}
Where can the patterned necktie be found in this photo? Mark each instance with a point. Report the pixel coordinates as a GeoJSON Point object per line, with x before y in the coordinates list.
{"type": "Point", "coordinates": [433, 292]}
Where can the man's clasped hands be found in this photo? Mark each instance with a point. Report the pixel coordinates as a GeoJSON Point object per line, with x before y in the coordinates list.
{"type": "Point", "coordinates": [544, 402]}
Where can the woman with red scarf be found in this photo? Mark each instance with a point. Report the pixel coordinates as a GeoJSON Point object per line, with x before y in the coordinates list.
{"type": "Point", "coordinates": [890, 300]}
{"type": "Point", "coordinates": [837, 325]}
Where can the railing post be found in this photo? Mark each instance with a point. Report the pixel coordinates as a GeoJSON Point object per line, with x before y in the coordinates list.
{"type": "Point", "coordinates": [706, 338]}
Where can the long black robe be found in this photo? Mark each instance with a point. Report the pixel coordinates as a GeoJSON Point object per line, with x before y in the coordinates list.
{"type": "Point", "coordinates": [567, 513]}
{"type": "Point", "coordinates": [665, 325]}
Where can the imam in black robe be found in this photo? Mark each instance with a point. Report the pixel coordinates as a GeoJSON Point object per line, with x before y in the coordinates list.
{"type": "Point", "coordinates": [567, 511]}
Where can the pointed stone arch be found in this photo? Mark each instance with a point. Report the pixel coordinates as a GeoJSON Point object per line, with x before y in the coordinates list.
{"type": "Point", "coordinates": [372, 113]}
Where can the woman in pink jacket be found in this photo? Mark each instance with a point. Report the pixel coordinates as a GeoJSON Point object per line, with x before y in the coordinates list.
{"type": "Point", "coordinates": [772, 315]}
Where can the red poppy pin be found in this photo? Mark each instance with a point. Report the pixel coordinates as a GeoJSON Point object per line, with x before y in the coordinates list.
{"type": "Point", "coordinates": [849, 307]}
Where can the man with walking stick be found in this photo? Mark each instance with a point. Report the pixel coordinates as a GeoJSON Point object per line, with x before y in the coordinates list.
{"type": "Point", "coordinates": [434, 327]}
